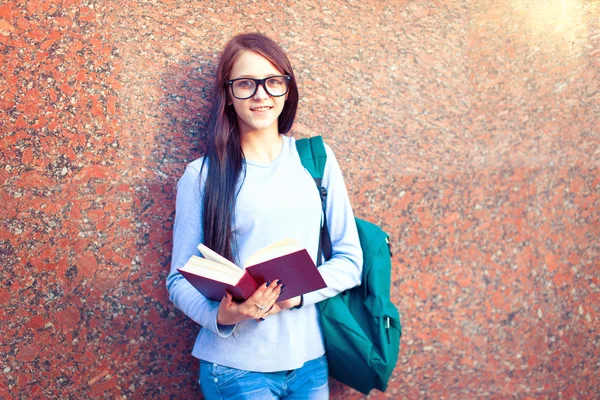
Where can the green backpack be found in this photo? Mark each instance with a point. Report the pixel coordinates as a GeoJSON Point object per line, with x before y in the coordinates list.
{"type": "Point", "coordinates": [361, 325]}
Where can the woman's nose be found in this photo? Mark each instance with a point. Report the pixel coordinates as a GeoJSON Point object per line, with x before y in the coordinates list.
{"type": "Point", "coordinates": [261, 93]}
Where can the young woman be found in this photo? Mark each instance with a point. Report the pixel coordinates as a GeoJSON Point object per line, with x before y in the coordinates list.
{"type": "Point", "coordinates": [248, 191]}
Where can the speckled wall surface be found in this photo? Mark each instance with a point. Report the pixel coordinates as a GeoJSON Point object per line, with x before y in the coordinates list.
{"type": "Point", "coordinates": [467, 129]}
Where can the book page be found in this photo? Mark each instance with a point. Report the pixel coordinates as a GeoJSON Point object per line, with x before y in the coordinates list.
{"type": "Point", "coordinates": [277, 249]}
{"type": "Point", "coordinates": [216, 257]}
{"type": "Point", "coordinates": [199, 262]}
{"type": "Point", "coordinates": [213, 270]}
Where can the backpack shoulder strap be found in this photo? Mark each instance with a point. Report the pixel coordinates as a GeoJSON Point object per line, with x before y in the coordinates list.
{"type": "Point", "coordinates": [313, 157]}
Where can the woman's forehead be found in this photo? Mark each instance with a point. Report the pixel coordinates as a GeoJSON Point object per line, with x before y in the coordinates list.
{"type": "Point", "coordinates": [250, 64]}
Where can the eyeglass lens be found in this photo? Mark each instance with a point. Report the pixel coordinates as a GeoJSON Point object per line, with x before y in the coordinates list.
{"type": "Point", "coordinates": [246, 88]}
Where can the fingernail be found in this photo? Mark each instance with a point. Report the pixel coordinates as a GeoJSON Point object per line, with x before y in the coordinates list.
{"type": "Point", "coordinates": [268, 283]}
{"type": "Point", "coordinates": [262, 319]}
{"type": "Point", "coordinates": [282, 286]}
{"type": "Point", "coordinates": [279, 281]}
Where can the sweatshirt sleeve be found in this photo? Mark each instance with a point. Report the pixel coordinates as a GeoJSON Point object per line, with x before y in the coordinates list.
{"type": "Point", "coordinates": [187, 234]}
{"type": "Point", "coordinates": [343, 270]}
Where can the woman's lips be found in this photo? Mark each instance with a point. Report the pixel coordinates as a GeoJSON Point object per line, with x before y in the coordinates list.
{"type": "Point", "coordinates": [261, 108]}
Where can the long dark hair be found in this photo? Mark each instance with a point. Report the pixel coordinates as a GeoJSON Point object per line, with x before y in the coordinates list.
{"type": "Point", "coordinates": [224, 151]}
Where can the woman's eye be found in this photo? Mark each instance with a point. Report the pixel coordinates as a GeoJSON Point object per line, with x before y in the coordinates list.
{"type": "Point", "coordinates": [274, 82]}
{"type": "Point", "coordinates": [244, 84]}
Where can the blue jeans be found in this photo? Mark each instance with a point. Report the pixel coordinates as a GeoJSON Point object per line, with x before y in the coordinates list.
{"type": "Point", "coordinates": [307, 382]}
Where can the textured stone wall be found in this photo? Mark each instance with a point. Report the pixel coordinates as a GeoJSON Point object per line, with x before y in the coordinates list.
{"type": "Point", "coordinates": [467, 129]}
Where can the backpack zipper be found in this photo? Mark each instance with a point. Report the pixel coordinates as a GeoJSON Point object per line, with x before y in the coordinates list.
{"type": "Point", "coordinates": [387, 329]}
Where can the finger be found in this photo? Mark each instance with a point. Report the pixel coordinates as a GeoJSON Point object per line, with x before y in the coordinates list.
{"type": "Point", "coordinates": [272, 311]}
{"type": "Point", "coordinates": [275, 293]}
{"type": "Point", "coordinates": [266, 314]}
{"type": "Point", "coordinates": [254, 303]}
{"type": "Point", "coordinates": [257, 304]}
{"type": "Point", "coordinates": [271, 286]}
{"type": "Point", "coordinates": [263, 296]}
{"type": "Point", "coordinates": [260, 292]}
{"type": "Point", "coordinates": [227, 313]}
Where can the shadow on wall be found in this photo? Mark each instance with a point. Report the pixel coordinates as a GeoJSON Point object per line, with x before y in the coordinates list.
{"type": "Point", "coordinates": [182, 113]}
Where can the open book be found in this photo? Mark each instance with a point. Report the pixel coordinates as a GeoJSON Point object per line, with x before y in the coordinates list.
{"type": "Point", "coordinates": [286, 260]}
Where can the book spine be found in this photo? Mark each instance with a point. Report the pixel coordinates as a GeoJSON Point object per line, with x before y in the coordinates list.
{"type": "Point", "coordinates": [245, 288]}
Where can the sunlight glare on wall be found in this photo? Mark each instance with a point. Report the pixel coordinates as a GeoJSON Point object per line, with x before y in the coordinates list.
{"type": "Point", "coordinates": [557, 24]}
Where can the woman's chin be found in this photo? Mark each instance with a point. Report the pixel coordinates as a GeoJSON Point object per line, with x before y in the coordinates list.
{"type": "Point", "coordinates": [259, 126]}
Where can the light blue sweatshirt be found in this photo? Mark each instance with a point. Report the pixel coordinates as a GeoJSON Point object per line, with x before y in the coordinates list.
{"type": "Point", "coordinates": [276, 201]}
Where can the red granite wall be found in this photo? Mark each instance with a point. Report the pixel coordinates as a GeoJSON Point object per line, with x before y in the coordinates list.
{"type": "Point", "coordinates": [468, 129]}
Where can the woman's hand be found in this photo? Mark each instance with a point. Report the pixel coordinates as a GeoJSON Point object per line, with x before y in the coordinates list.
{"type": "Point", "coordinates": [283, 305]}
{"type": "Point", "coordinates": [257, 305]}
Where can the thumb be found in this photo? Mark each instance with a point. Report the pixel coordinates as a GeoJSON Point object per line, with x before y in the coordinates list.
{"type": "Point", "coordinates": [227, 299]}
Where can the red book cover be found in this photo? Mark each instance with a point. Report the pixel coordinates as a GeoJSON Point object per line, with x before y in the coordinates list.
{"type": "Point", "coordinates": [296, 270]}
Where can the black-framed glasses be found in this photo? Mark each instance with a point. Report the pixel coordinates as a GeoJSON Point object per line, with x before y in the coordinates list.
{"type": "Point", "coordinates": [244, 88]}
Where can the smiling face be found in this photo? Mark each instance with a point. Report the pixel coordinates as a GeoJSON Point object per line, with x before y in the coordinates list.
{"type": "Point", "coordinates": [260, 112]}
